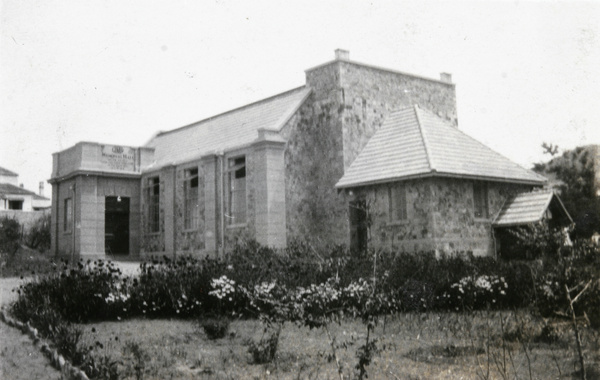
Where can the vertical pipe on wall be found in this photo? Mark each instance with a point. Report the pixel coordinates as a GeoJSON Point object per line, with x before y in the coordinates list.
{"type": "Point", "coordinates": [74, 227]}
{"type": "Point", "coordinates": [222, 203]}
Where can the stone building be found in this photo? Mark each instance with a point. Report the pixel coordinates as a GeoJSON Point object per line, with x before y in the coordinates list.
{"type": "Point", "coordinates": [290, 167]}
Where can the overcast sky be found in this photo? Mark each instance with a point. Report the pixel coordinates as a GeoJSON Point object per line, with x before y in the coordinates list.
{"type": "Point", "coordinates": [119, 71]}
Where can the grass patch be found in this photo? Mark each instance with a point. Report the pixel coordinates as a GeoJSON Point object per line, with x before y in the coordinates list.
{"type": "Point", "coordinates": [417, 346]}
{"type": "Point", "coordinates": [25, 262]}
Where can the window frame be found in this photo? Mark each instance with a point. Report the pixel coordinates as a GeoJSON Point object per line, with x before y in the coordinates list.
{"type": "Point", "coordinates": [153, 204]}
{"type": "Point", "coordinates": [191, 188]}
{"type": "Point", "coordinates": [398, 214]}
{"type": "Point", "coordinates": [237, 198]}
{"type": "Point", "coordinates": [68, 215]}
{"type": "Point", "coordinates": [481, 208]}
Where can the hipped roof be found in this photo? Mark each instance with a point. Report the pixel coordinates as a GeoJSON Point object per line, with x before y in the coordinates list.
{"type": "Point", "coordinates": [7, 189]}
{"type": "Point", "coordinates": [528, 208]}
{"type": "Point", "coordinates": [230, 130]}
{"type": "Point", "coordinates": [413, 143]}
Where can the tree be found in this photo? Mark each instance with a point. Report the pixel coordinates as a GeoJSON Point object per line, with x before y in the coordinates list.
{"type": "Point", "coordinates": [573, 175]}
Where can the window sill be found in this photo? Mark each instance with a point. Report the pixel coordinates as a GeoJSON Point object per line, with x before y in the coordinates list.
{"type": "Point", "coordinates": [153, 233]}
{"type": "Point", "coordinates": [397, 223]}
{"type": "Point", "coordinates": [67, 232]}
{"type": "Point", "coordinates": [238, 225]}
{"type": "Point", "coordinates": [482, 220]}
{"type": "Point", "coordinates": [190, 230]}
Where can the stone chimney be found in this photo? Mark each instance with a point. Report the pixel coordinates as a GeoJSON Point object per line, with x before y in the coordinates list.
{"type": "Point", "coordinates": [342, 55]}
{"type": "Point", "coordinates": [41, 188]}
{"type": "Point", "coordinates": [446, 77]}
{"type": "Point", "coordinates": [22, 186]}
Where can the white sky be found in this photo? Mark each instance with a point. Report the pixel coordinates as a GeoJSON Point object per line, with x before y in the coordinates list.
{"type": "Point", "coordinates": [119, 71]}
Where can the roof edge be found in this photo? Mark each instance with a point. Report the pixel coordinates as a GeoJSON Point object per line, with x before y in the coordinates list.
{"type": "Point", "coordinates": [380, 69]}
{"type": "Point", "coordinates": [229, 111]}
{"type": "Point", "coordinates": [435, 173]}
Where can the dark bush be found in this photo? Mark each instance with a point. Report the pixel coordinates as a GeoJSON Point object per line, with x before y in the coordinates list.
{"type": "Point", "coordinates": [38, 236]}
{"type": "Point", "coordinates": [215, 327]}
{"type": "Point", "coordinates": [10, 235]}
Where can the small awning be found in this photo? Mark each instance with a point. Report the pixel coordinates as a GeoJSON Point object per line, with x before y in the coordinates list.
{"type": "Point", "coordinates": [526, 208]}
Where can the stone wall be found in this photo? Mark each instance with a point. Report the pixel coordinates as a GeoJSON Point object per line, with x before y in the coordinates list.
{"type": "Point", "coordinates": [238, 233]}
{"type": "Point", "coordinates": [189, 241]}
{"type": "Point", "coordinates": [369, 94]}
{"type": "Point", "coordinates": [315, 212]}
{"type": "Point", "coordinates": [413, 235]}
{"type": "Point", "coordinates": [440, 216]}
{"type": "Point", "coordinates": [347, 105]}
{"type": "Point", "coordinates": [152, 242]}
{"type": "Point", "coordinates": [456, 228]}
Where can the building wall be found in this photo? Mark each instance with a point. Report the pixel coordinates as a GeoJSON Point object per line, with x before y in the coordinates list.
{"type": "Point", "coordinates": [11, 179]}
{"type": "Point", "coordinates": [413, 235]}
{"type": "Point", "coordinates": [314, 162]}
{"type": "Point", "coordinates": [456, 228]}
{"type": "Point", "coordinates": [189, 241]}
{"type": "Point", "coordinates": [88, 194]}
{"type": "Point", "coordinates": [152, 242]}
{"type": "Point", "coordinates": [440, 215]}
{"type": "Point", "coordinates": [347, 105]}
{"type": "Point", "coordinates": [369, 94]}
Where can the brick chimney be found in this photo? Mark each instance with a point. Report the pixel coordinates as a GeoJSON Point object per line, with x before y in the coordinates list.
{"type": "Point", "coordinates": [41, 188]}
{"type": "Point", "coordinates": [342, 55]}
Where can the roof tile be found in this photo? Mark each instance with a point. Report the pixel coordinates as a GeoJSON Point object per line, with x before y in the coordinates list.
{"type": "Point", "coordinates": [414, 142]}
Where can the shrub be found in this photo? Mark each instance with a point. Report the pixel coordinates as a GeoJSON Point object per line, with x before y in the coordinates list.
{"type": "Point", "coordinates": [265, 349]}
{"type": "Point", "coordinates": [38, 236]}
{"type": "Point", "coordinates": [214, 327]}
{"type": "Point", "coordinates": [10, 235]}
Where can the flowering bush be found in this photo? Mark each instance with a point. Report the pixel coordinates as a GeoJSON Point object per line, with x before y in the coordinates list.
{"type": "Point", "coordinates": [476, 292]}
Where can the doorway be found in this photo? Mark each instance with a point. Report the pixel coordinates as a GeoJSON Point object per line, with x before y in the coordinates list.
{"type": "Point", "coordinates": [116, 226]}
{"type": "Point", "coordinates": [358, 225]}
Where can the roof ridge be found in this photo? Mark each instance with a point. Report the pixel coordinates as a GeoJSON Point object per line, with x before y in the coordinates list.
{"type": "Point", "coordinates": [417, 109]}
{"type": "Point", "coordinates": [264, 100]}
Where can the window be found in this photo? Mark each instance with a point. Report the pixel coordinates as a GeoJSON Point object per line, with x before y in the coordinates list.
{"type": "Point", "coordinates": [153, 199]}
{"type": "Point", "coordinates": [190, 189]}
{"type": "Point", "coordinates": [15, 205]}
{"type": "Point", "coordinates": [237, 190]}
{"type": "Point", "coordinates": [480, 200]}
{"type": "Point", "coordinates": [398, 206]}
{"type": "Point", "coordinates": [68, 222]}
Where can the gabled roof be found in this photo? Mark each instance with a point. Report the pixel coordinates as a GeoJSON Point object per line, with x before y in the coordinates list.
{"type": "Point", "coordinates": [413, 143]}
{"type": "Point", "coordinates": [4, 171]}
{"type": "Point", "coordinates": [528, 208]}
{"type": "Point", "coordinates": [226, 131]}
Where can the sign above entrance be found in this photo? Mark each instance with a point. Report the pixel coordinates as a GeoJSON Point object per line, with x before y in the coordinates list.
{"type": "Point", "coordinates": [116, 157]}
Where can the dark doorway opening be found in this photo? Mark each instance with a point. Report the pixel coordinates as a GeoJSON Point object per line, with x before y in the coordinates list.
{"type": "Point", "coordinates": [358, 225]}
{"type": "Point", "coordinates": [116, 226]}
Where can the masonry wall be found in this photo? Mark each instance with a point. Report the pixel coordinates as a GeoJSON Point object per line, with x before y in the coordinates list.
{"type": "Point", "coordinates": [456, 228]}
{"type": "Point", "coordinates": [416, 234]}
{"type": "Point", "coordinates": [440, 216]}
{"type": "Point", "coordinates": [152, 242]}
{"type": "Point", "coordinates": [315, 212]}
{"type": "Point", "coordinates": [347, 105]}
{"type": "Point", "coordinates": [189, 241]}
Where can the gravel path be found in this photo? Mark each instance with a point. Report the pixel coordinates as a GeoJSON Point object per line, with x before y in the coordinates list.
{"type": "Point", "coordinates": [19, 358]}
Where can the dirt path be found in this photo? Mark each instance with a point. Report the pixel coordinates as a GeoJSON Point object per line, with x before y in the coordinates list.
{"type": "Point", "coordinates": [19, 358]}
